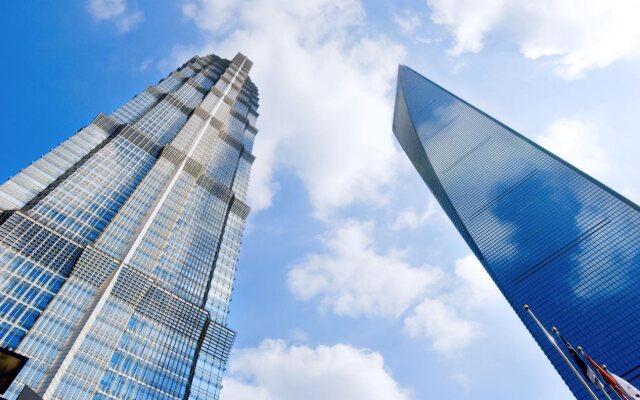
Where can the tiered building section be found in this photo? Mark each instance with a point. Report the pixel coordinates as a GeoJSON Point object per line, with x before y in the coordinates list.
{"type": "Point", "coordinates": [118, 248]}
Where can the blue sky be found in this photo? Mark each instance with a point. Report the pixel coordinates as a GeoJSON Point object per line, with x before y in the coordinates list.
{"type": "Point", "coordinates": [351, 283]}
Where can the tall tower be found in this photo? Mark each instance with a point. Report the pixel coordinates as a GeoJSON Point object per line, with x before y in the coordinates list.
{"type": "Point", "coordinates": [118, 248]}
{"type": "Point", "coordinates": [547, 233]}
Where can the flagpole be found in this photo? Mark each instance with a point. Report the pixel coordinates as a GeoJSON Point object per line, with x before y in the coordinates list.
{"type": "Point", "coordinates": [604, 367]}
{"type": "Point", "coordinates": [564, 357]}
{"type": "Point", "coordinates": [581, 354]}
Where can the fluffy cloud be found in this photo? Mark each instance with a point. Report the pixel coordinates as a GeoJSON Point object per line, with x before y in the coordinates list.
{"type": "Point", "coordinates": [407, 22]}
{"type": "Point", "coordinates": [573, 35]}
{"type": "Point", "coordinates": [353, 279]}
{"type": "Point", "coordinates": [440, 323]}
{"type": "Point", "coordinates": [447, 320]}
{"type": "Point", "coordinates": [116, 11]}
{"type": "Point", "coordinates": [211, 15]}
{"type": "Point", "coordinates": [326, 83]}
{"type": "Point", "coordinates": [410, 219]}
{"type": "Point", "coordinates": [578, 142]}
{"type": "Point", "coordinates": [476, 287]}
{"type": "Point", "coordinates": [468, 20]}
{"type": "Point", "coordinates": [275, 370]}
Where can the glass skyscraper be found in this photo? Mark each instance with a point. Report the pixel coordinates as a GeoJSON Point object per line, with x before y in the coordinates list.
{"type": "Point", "coordinates": [118, 248]}
{"type": "Point", "coordinates": [549, 235]}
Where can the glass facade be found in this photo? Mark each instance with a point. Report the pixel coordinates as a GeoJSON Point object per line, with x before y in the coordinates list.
{"type": "Point", "coordinates": [548, 234]}
{"type": "Point", "coordinates": [118, 248]}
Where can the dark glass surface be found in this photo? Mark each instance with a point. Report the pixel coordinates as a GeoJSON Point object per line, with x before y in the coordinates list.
{"type": "Point", "coordinates": [548, 234]}
{"type": "Point", "coordinates": [10, 365]}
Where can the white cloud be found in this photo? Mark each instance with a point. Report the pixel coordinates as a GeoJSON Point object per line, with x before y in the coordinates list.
{"type": "Point", "coordinates": [351, 278]}
{"type": "Point", "coordinates": [407, 21]}
{"type": "Point", "coordinates": [440, 323]}
{"type": "Point", "coordinates": [116, 11]}
{"type": "Point", "coordinates": [447, 319]}
{"type": "Point", "coordinates": [468, 20]}
{"type": "Point", "coordinates": [578, 142]}
{"type": "Point", "coordinates": [127, 22]}
{"type": "Point", "coordinates": [326, 83]}
{"type": "Point", "coordinates": [477, 288]}
{"type": "Point", "coordinates": [298, 335]}
{"type": "Point", "coordinates": [574, 36]}
{"type": "Point", "coordinates": [277, 371]}
{"type": "Point", "coordinates": [410, 219]}
{"type": "Point", "coordinates": [106, 9]}
{"type": "Point", "coordinates": [211, 15]}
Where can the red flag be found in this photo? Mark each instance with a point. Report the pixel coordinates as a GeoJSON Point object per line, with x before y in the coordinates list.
{"type": "Point", "coordinates": [607, 377]}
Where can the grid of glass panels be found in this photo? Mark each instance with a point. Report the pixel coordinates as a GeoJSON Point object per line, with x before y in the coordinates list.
{"type": "Point", "coordinates": [163, 122]}
{"type": "Point", "coordinates": [134, 108]}
{"type": "Point", "coordinates": [60, 325]}
{"type": "Point", "coordinates": [33, 180]}
{"type": "Point", "coordinates": [142, 345]}
{"type": "Point", "coordinates": [180, 245]}
{"type": "Point", "coordinates": [120, 232]}
{"type": "Point", "coordinates": [241, 180]}
{"type": "Point", "coordinates": [224, 163]}
{"type": "Point", "coordinates": [95, 327]}
{"type": "Point", "coordinates": [214, 352]}
{"type": "Point", "coordinates": [221, 285]}
{"type": "Point", "coordinates": [82, 206]}
{"type": "Point", "coordinates": [34, 263]}
{"type": "Point", "coordinates": [549, 235]}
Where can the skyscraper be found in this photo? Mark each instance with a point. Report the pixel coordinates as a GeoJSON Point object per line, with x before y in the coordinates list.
{"type": "Point", "coordinates": [548, 234]}
{"type": "Point", "coordinates": [118, 248]}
